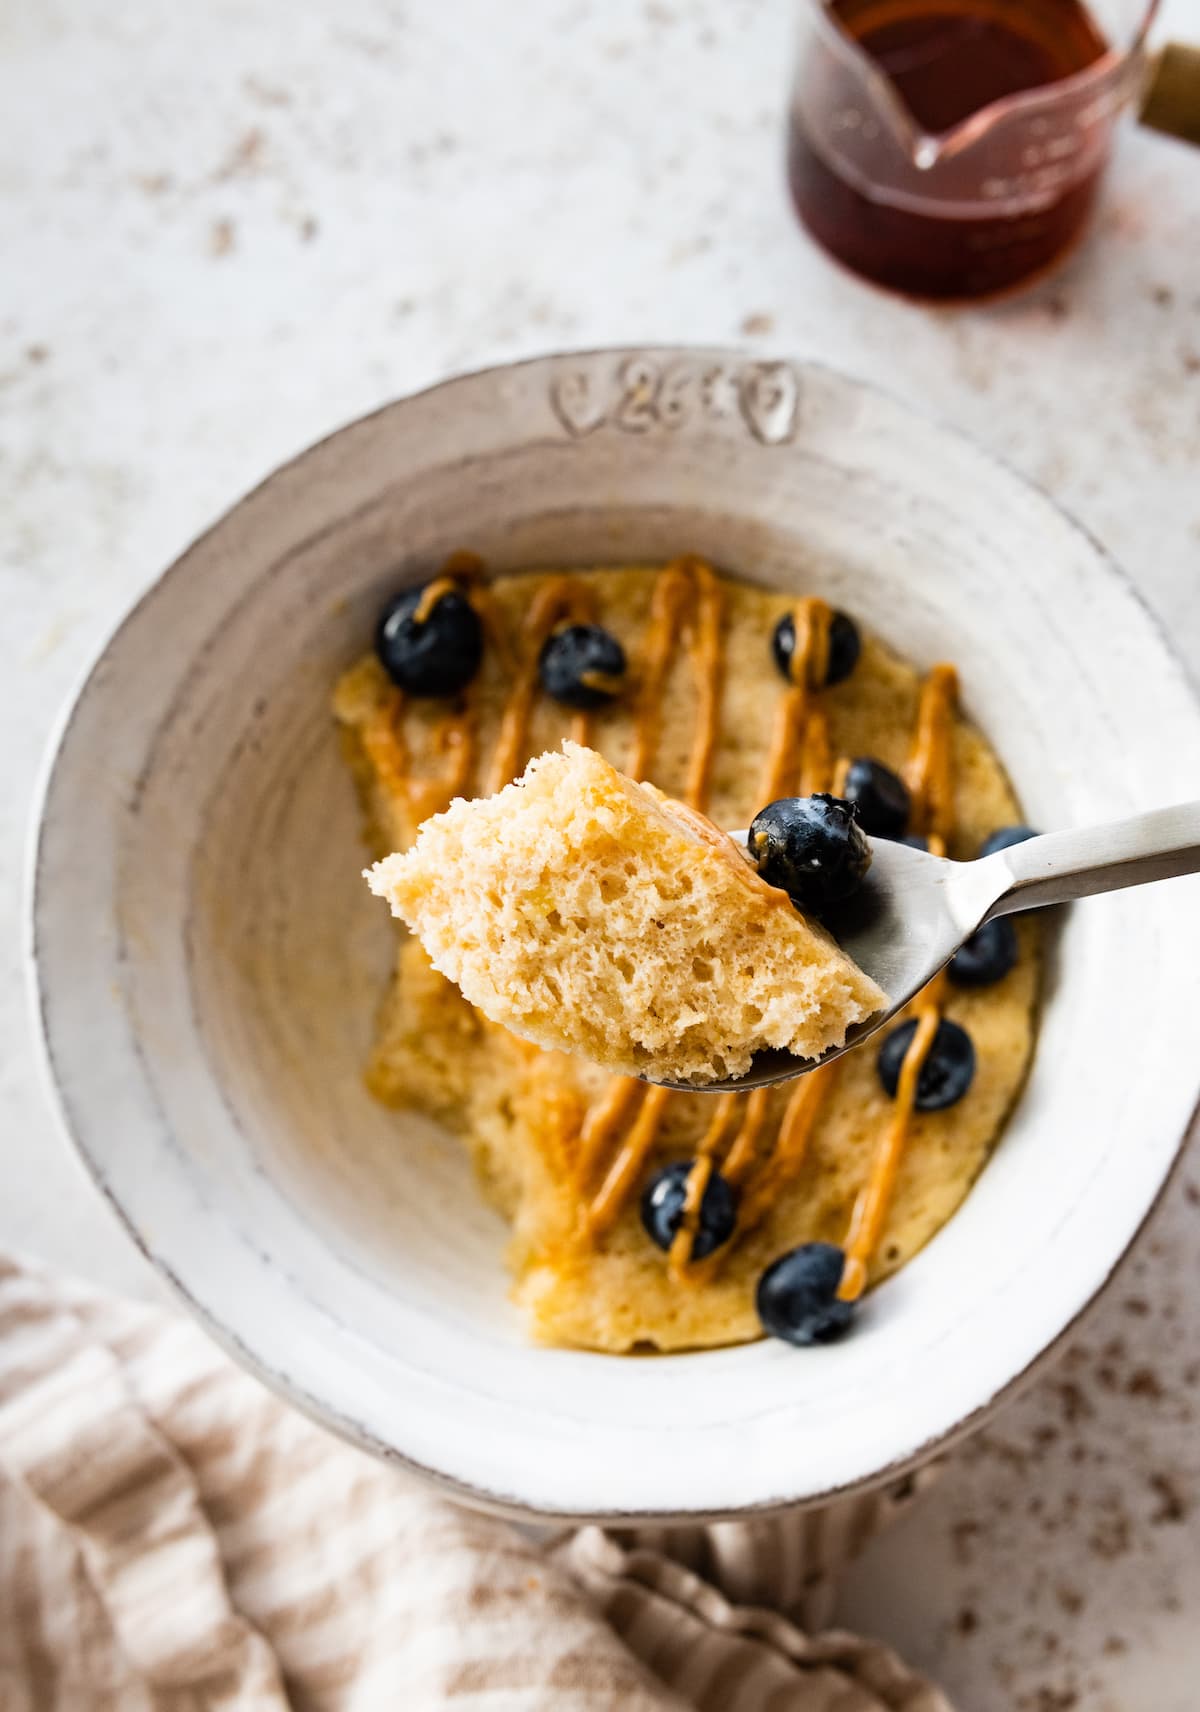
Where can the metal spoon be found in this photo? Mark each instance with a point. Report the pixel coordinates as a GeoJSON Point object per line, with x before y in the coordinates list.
{"type": "Point", "coordinates": [915, 910]}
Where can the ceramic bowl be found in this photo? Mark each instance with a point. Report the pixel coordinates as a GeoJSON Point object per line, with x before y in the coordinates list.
{"type": "Point", "coordinates": [208, 960]}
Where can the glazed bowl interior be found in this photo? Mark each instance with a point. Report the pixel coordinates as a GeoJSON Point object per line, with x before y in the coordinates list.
{"type": "Point", "coordinates": [209, 960]}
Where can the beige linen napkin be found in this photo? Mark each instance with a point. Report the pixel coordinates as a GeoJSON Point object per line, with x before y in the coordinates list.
{"type": "Point", "coordinates": [175, 1539]}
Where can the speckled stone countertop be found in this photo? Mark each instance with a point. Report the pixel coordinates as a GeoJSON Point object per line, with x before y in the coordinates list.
{"type": "Point", "coordinates": [224, 232]}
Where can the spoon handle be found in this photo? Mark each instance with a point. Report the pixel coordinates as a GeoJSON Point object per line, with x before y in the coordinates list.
{"type": "Point", "coordinates": [1061, 866]}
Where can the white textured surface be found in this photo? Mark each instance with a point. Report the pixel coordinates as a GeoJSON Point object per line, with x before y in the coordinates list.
{"type": "Point", "coordinates": [223, 235]}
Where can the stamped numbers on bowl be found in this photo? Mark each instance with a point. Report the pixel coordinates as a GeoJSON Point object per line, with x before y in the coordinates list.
{"type": "Point", "coordinates": [641, 394]}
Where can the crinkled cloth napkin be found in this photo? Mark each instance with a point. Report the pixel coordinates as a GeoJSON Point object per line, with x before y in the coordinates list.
{"type": "Point", "coordinates": [175, 1539]}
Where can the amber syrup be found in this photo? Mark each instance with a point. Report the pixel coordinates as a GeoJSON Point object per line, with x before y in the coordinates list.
{"type": "Point", "coordinates": [948, 59]}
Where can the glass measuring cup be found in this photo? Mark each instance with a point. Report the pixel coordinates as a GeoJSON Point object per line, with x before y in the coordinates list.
{"type": "Point", "coordinates": [952, 148]}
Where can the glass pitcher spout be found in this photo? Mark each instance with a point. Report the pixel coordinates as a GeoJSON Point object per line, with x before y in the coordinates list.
{"type": "Point", "coordinates": [941, 74]}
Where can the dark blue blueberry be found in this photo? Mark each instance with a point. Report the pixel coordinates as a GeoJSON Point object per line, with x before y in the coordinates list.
{"type": "Point", "coordinates": [882, 799]}
{"type": "Point", "coordinates": [797, 1295]}
{"type": "Point", "coordinates": [845, 645]}
{"type": "Point", "coordinates": [582, 666]}
{"type": "Point", "coordinates": [811, 848]}
{"type": "Point", "coordinates": [662, 1208]}
{"type": "Point", "coordinates": [946, 1073]}
{"type": "Point", "coordinates": [1004, 838]}
{"type": "Point", "coordinates": [987, 956]}
{"type": "Point", "coordinates": [436, 655]}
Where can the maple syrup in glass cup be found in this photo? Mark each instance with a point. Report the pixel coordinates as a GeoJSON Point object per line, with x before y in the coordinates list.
{"type": "Point", "coordinates": [952, 148]}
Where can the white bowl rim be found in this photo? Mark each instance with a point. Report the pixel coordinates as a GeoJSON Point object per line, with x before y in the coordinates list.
{"type": "Point", "coordinates": [323, 1411]}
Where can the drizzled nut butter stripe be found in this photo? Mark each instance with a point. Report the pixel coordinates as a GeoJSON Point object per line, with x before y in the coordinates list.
{"type": "Point", "coordinates": [454, 735]}
{"type": "Point", "coordinates": [930, 778]}
{"type": "Point", "coordinates": [688, 602]}
{"type": "Point", "coordinates": [800, 741]}
{"type": "Point", "coordinates": [563, 600]}
{"type": "Point", "coordinates": [799, 755]}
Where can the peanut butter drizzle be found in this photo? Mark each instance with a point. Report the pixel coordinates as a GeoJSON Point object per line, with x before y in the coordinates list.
{"type": "Point", "coordinates": [563, 600]}
{"type": "Point", "coordinates": [454, 735]}
{"type": "Point", "coordinates": [686, 582]}
{"type": "Point", "coordinates": [795, 730]}
{"type": "Point", "coordinates": [930, 778]}
{"type": "Point", "coordinates": [430, 595]}
{"type": "Point", "coordinates": [680, 1252]}
{"type": "Point", "coordinates": [686, 590]}
{"type": "Point", "coordinates": [800, 746]}
{"type": "Point", "coordinates": [602, 1122]}
{"type": "Point", "coordinates": [623, 1173]}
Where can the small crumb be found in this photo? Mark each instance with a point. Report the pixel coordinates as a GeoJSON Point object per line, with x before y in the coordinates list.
{"type": "Point", "coordinates": [1057, 307]}
{"type": "Point", "coordinates": [1144, 1383]}
{"type": "Point", "coordinates": [308, 229]}
{"type": "Point", "coordinates": [1191, 1193]}
{"type": "Point", "coordinates": [1137, 1306]}
{"type": "Point", "coordinates": [1191, 365]}
{"type": "Point", "coordinates": [155, 183]}
{"type": "Point", "coordinates": [1055, 1700]}
{"type": "Point", "coordinates": [1114, 1646]}
{"type": "Point", "coordinates": [222, 237]}
{"type": "Point", "coordinates": [1172, 1506]}
{"type": "Point", "coordinates": [1075, 1406]}
{"type": "Point", "coordinates": [758, 323]}
{"type": "Point", "coordinates": [967, 1621]}
{"type": "Point", "coordinates": [37, 355]}
{"type": "Point", "coordinates": [1070, 1599]}
{"type": "Point", "coordinates": [244, 157]}
{"type": "Point", "coordinates": [1163, 296]}
{"type": "Point", "coordinates": [1111, 1538]}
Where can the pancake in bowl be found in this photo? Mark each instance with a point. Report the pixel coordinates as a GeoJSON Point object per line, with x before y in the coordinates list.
{"type": "Point", "coordinates": [724, 696]}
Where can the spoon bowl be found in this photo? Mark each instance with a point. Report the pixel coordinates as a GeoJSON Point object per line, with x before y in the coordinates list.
{"type": "Point", "coordinates": [915, 910]}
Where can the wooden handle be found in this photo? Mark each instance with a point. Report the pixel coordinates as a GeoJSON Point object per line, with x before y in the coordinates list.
{"type": "Point", "coordinates": [1171, 96]}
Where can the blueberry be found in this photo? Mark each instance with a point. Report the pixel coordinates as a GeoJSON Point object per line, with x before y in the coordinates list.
{"type": "Point", "coordinates": [845, 645]}
{"type": "Point", "coordinates": [662, 1208]}
{"type": "Point", "coordinates": [881, 798]}
{"type": "Point", "coordinates": [436, 654]}
{"type": "Point", "coordinates": [582, 666]}
{"type": "Point", "coordinates": [1004, 838]}
{"type": "Point", "coordinates": [797, 1295]}
{"type": "Point", "coordinates": [811, 848]}
{"type": "Point", "coordinates": [946, 1073]}
{"type": "Point", "coordinates": [987, 956]}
